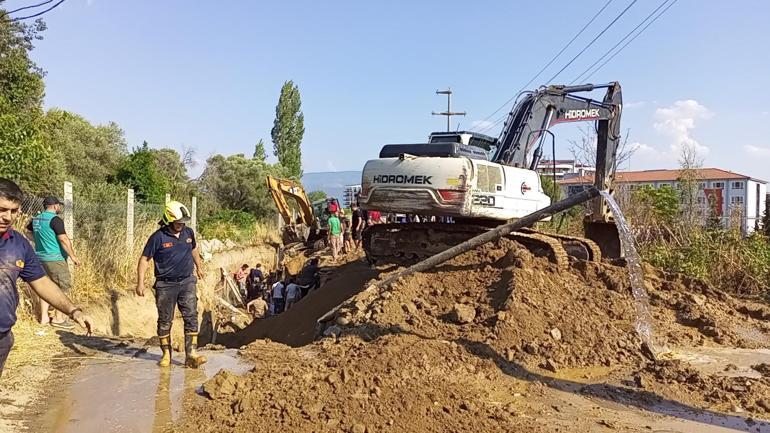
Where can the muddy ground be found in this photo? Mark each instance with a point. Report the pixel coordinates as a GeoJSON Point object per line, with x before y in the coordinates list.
{"type": "Point", "coordinates": [494, 340]}
{"type": "Point", "coordinates": [500, 340]}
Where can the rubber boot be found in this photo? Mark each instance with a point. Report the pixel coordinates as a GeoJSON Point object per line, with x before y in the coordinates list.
{"type": "Point", "coordinates": [192, 359]}
{"type": "Point", "coordinates": [165, 347]}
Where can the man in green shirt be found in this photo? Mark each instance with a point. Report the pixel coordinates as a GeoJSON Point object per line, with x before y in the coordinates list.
{"type": "Point", "coordinates": [335, 235]}
{"type": "Point", "coordinates": [53, 247]}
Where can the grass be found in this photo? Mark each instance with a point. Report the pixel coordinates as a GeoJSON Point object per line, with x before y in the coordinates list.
{"type": "Point", "coordinates": [674, 242]}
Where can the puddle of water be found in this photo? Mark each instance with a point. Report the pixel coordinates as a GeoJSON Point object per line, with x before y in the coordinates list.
{"type": "Point", "coordinates": [664, 417]}
{"type": "Point", "coordinates": [643, 323]}
{"type": "Point", "coordinates": [714, 360]}
{"type": "Point", "coordinates": [131, 394]}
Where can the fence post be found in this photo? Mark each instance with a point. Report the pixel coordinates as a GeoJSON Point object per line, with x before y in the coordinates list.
{"type": "Point", "coordinates": [69, 222]}
{"type": "Point", "coordinates": [130, 220]}
{"type": "Point", "coordinates": [194, 214]}
{"type": "Point", "coordinates": [168, 198]}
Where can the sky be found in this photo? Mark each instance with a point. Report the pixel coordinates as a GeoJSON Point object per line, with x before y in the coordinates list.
{"type": "Point", "coordinates": [207, 75]}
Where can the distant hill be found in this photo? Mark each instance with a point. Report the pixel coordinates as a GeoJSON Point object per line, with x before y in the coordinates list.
{"type": "Point", "coordinates": [331, 182]}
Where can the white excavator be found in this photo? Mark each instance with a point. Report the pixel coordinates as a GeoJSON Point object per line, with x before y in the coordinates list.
{"type": "Point", "coordinates": [472, 182]}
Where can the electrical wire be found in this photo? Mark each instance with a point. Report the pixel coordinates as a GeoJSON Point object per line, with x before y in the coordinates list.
{"type": "Point", "coordinates": [603, 56]}
{"type": "Point", "coordinates": [27, 7]}
{"type": "Point", "coordinates": [592, 41]}
{"type": "Point", "coordinates": [631, 40]}
{"type": "Point", "coordinates": [39, 13]}
{"type": "Point", "coordinates": [550, 62]}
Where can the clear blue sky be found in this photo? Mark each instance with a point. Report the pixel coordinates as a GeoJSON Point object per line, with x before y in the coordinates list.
{"type": "Point", "coordinates": [207, 74]}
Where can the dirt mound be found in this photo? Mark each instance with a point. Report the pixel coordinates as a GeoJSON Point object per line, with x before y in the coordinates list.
{"type": "Point", "coordinates": [404, 383]}
{"type": "Point", "coordinates": [483, 343]}
{"type": "Point", "coordinates": [528, 310]}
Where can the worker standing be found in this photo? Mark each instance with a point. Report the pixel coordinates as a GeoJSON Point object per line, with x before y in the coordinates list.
{"type": "Point", "coordinates": [175, 253]}
{"type": "Point", "coordinates": [335, 235]}
{"type": "Point", "coordinates": [53, 247]}
{"type": "Point", "coordinates": [18, 260]}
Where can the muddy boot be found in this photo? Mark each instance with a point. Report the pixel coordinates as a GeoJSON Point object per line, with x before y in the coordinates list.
{"type": "Point", "coordinates": [192, 359]}
{"type": "Point", "coordinates": [165, 347]}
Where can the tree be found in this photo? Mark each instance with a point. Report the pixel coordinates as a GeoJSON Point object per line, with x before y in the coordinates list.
{"type": "Point", "coordinates": [173, 167]}
{"type": "Point", "coordinates": [689, 186]}
{"type": "Point", "coordinates": [140, 171]}
{"type": "Point", "coordinates": [259, 151]}
{"type": "Point", "coordinates": [766, 221]}
{"type": "Point", "coordinates": [314, 196]}
{"type": "Point", "coordinates": [288, 129]}
{"type": "Point", "coordinates": [238, 183]}
{"type": "Point", "coordinates": [25, 157]}
{"type": "Point", "coordinates": [663, 201]}
{"type": "Point", "coordinates": [551, 189]}
{"type": "Point", "coordinates": [583, 149]}
{"type": "Point", "coordinates": [87, 153]}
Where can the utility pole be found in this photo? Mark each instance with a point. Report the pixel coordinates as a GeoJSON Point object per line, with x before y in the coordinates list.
{"type": "Point", "coordinates": [448, 113]}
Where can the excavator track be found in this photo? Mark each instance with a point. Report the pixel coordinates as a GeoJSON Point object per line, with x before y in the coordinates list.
{"type": "Point", "coordinates": [410, 243]}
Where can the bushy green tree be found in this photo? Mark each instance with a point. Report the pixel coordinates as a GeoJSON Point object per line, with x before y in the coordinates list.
{"type": "Point", "coordinates": [259, 151]}
{"type": "Point", "coordinates": [238, 183]}
{"type": "Point", "coordinates": [766, 221]}
{"type": "Point", "coordinates": [140, 171]}
{"type": "Point", "coordinates": [664, 201]}
{"type": "Point", "coordinates": [314, 196]}
{"type": "Point", "coordinates": [25, 157]}
{"type": "Point", "coordinates": [550, 188]}
{"type": "Point", "coordinates": [86, 153]}
{"type": "Point", "coordinates": [288, 129]}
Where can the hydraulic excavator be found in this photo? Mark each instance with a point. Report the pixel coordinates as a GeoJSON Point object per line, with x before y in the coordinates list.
{"type": "Point", "coordinates": [307, 229]}
{"type": "Point", "coordinates": [472, 182]}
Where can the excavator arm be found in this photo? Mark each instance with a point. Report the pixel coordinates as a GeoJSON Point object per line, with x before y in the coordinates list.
{"type": "Point", "coordinates": [523, 136]}
{"type": "Point", "coordinates": [280, 189]}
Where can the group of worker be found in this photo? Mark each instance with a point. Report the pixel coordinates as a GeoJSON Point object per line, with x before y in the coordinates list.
{"type": "Point", "coordinates": [172, 248]}
{"type": "Point", "coordinates": [344, 232]}
{"type": "Point", "coordinates": [270, 295]}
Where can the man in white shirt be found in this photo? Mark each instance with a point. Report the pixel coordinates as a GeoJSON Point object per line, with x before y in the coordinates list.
{"type": "Point", "coordinates": [292, 294]}
{"type": "Point", "coordinates": [278, 300]}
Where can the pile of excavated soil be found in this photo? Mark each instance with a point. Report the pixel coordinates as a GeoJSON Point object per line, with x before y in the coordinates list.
{"type": "Point", "coordinates": [524, 308]}
{"type": "Point", "coordinates": [456, 348]}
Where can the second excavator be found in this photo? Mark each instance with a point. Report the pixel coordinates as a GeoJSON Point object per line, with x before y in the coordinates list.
{"type": "Point", "coordinates": [477, 182]}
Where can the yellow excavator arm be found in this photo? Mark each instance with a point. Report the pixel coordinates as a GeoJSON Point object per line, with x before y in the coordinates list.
{"type": "Point", "coordinates": [280, 189]}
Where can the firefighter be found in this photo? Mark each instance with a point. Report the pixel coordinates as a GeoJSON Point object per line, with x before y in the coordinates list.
{"type": "Point", "coordinates": [174, 252]}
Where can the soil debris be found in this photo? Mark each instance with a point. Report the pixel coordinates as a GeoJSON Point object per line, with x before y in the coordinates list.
{"type": "Point", "coordinates": [451, 348]}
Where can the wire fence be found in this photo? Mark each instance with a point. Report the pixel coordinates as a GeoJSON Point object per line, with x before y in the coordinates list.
{"type": "Point", "coordinates": [107, 236]}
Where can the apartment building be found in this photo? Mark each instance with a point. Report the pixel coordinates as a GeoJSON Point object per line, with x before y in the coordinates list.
{"type": "Point", "coordinates": [723, 191]}
{"type": "Point", "coordinates": [564, 168]}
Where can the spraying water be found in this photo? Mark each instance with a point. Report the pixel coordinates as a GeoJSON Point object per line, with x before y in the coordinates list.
{"type": "Point", "coordinates": [643, 323]}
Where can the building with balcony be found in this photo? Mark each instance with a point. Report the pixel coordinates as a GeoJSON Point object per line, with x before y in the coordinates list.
{"type": "Point", "coordinates": [723, 191]}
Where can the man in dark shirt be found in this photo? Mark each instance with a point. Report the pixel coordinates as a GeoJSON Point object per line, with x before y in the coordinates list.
{"type": "Point", "coordinates": [18, 260]}
{"type": "Point", "coordinates": [175, 252]}
{"type": "Point", "coordinates": [357, 225]}
{"type": "Point", "coordinates": [254, 282]}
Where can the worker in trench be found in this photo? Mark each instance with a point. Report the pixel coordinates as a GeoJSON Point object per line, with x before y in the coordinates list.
{"type": "Point", "coordinates": [174, 252]}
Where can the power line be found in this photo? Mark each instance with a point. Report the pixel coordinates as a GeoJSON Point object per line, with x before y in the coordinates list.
{"type": "Point", "coordinates": [619, 42]}
{"type": "Point", "coordinates": [39, 13]}
{"type": "Point", "coordinates": [592, 41]}
{"type": "Point", "coordinates": [27, 7]}
{"type": "Point", "coordinates": [550, 62]}
{"type": "Point", "coordinates": [632, 39]}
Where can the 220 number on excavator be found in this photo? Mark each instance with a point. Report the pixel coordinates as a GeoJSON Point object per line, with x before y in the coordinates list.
{"type": "Point", "coordinates": [484, 200]}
